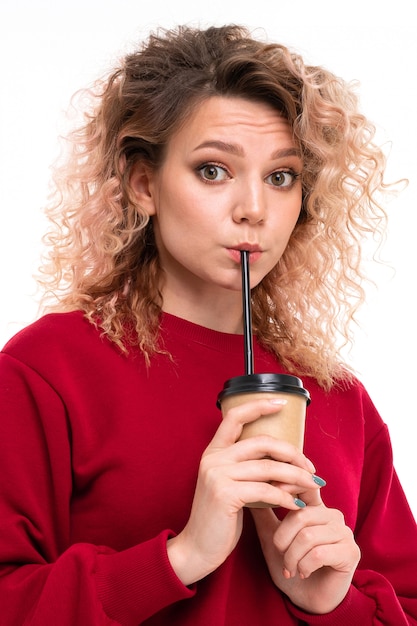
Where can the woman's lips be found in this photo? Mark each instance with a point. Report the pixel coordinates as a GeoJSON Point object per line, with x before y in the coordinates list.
{"type": "Point", "coordinates": [254, 253]}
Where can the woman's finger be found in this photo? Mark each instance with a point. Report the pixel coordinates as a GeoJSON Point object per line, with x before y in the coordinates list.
{"type": "Point", "coordinates": [235, 418]}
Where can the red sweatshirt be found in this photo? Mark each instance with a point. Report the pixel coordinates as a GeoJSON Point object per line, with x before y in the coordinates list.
{"type": "Point", "coordinates": [98, 464]}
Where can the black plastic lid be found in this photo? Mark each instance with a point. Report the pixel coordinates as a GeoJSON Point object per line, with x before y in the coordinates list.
{"type": "Point", "coordinates": [263, 383]}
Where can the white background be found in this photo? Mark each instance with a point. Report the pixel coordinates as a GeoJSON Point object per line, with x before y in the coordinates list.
{"type": "Point", "coordinates": [50, 48]}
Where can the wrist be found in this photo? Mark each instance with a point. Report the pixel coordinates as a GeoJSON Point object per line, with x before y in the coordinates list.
{"type": "Point", "coordinates": [184, 563]}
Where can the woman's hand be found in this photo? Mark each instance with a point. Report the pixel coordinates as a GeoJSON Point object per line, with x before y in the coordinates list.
{"type": "Point", "coordinates": [232, 474]}
{"type": "Point", "coordinates": [311, 554]}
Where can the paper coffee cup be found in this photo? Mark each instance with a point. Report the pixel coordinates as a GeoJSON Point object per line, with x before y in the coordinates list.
{"type": "Point", "coordinates": [287, 424]}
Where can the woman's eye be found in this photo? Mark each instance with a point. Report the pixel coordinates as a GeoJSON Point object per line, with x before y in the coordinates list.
{"type": "Point", "coordinates": [282, 178]}
{"type": "Point", "coordinates": [212, 172]}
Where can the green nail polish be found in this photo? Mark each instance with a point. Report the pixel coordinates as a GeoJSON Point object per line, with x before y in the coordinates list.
{"type": "Point", "coordinates": [319, 481]}
{"type": "Point", "coordinates": [299, 503]}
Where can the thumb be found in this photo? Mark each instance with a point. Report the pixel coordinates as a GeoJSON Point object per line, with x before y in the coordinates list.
{"type": "Point", "coordinates": [312, 497]}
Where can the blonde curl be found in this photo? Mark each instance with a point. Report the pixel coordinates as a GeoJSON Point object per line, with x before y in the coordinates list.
{"type": "Point", "coordinates": [102, 256]}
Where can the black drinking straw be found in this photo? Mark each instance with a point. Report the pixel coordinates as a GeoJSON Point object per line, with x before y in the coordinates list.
{"type": "Point", "coordinates": [247, 312]}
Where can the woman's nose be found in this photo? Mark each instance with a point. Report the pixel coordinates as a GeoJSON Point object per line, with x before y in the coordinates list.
{"type": "Point", "coordinates": [250, 204]}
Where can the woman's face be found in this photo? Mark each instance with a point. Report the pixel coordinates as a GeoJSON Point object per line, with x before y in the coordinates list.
{"type": "Point", "coordinates": [230, 180]}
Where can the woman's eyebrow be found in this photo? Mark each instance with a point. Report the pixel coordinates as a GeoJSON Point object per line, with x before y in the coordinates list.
{"type": "Point", "coordinates": [225, 146]}
{"type": "Point", "coordinates": [286, 152]}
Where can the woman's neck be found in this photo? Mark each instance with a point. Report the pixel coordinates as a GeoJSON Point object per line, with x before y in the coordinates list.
{"type": "Point", "coordinates": [223, 314]}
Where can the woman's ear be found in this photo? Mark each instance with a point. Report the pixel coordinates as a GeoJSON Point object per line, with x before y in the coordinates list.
{"type": "Point", "coordinates": [142, 186]}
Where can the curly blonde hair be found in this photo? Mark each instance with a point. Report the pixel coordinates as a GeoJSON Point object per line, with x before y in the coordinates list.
{"type": "Point", "coordinates": [102, 255]}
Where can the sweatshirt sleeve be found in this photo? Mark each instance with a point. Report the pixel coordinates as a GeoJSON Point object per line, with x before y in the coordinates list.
{"type": "Point", "coordinates": [384, 588]}
{"type": "Point", "coordinates": [42, 574]}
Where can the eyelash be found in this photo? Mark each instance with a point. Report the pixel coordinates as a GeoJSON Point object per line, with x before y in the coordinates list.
{"type": "Point", "coordinates": [201, 167]}
{"type": "Point", "coordinates": [294, 175]}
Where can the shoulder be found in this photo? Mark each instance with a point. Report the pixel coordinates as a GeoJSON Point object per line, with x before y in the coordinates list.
{"type": "Point", "coordinates": [347, 407]}
{"type": "Point", "coordinates": [47, 329]}
{"type": "Point", "coordinates": [53, 337]}
{"type": "Point", "coordinates": [66, 351]}
{"type": "Point", "coordinates": [344, 393]}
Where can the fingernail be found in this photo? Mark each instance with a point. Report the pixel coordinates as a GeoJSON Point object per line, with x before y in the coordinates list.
{"type": "Point", "coordinates": [281, 401]}
{"type": "Point", "coordinates": [319, 481]}
{"type": "Point", "coordinates": [286, 573]}
{"type": "Point", "coordinates": [299, 503]}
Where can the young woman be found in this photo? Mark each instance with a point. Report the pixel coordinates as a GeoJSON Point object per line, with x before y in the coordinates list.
{"type": "Point", "coordinates": [123, 490]}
